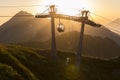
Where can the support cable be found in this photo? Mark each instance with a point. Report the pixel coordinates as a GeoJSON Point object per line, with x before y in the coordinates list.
{"type": "Point", "coordinates": [26, 15]}
{"type": "Point", "coordinates": [17, 6]}
{"type": "Point", "coordinates": [104, 18]}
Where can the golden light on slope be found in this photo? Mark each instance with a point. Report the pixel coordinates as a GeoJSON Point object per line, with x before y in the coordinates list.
{"type": "Point", "coordinates": [69, 6]}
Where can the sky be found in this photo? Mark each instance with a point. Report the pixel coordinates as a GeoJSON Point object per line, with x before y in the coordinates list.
{"type": "Point", "coordinates": [106, 8]}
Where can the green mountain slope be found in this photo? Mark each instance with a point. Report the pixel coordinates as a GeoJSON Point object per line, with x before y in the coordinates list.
{"type": "Point", "coordinates": [21, 63]}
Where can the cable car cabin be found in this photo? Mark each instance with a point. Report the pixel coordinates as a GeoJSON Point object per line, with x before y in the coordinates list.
{"type": "Point", "coordinates": [60, 27]}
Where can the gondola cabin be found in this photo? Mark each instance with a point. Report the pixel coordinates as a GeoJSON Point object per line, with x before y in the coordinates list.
{"type": "Point", "coordinates": [60, 27]}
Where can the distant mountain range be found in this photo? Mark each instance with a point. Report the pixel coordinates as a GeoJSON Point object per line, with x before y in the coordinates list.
{"type": "Point", "coordinates": [103, 32]}
{"type": "Point", "coordinates": [92, 46]}
{"type": "Point", "coordinates": [99, 42]}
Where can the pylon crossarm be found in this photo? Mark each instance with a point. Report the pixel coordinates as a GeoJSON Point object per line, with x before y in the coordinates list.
{"type": "Point", "coordinates": [73, 18]}
{"type": "Point", "coordinates": [42, 16]}
{"type": "Point", "coordinates": [93, 24]}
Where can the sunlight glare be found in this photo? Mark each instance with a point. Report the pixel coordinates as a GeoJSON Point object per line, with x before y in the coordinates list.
{"type": "Point", "coordinates": [68, 7]}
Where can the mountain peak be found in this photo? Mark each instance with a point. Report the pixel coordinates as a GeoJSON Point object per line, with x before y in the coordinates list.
{"type": "Point", "coordinates": [118, 20]}
{"type": "Point", "coordinates": [114, 21]}
{"type": "Point", "coordinates": [23, 13]}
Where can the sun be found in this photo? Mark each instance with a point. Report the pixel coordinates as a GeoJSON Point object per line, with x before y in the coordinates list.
{"type": "Point", "coordinates": [68, 6]}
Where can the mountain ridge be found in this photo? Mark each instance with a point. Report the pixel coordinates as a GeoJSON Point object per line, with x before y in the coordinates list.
{"type": "Point", "coordinates": [114, 26]}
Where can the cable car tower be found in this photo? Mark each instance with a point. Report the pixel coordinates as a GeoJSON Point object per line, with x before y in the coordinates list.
{"type": "Point", "coordinates": [83, 19]}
